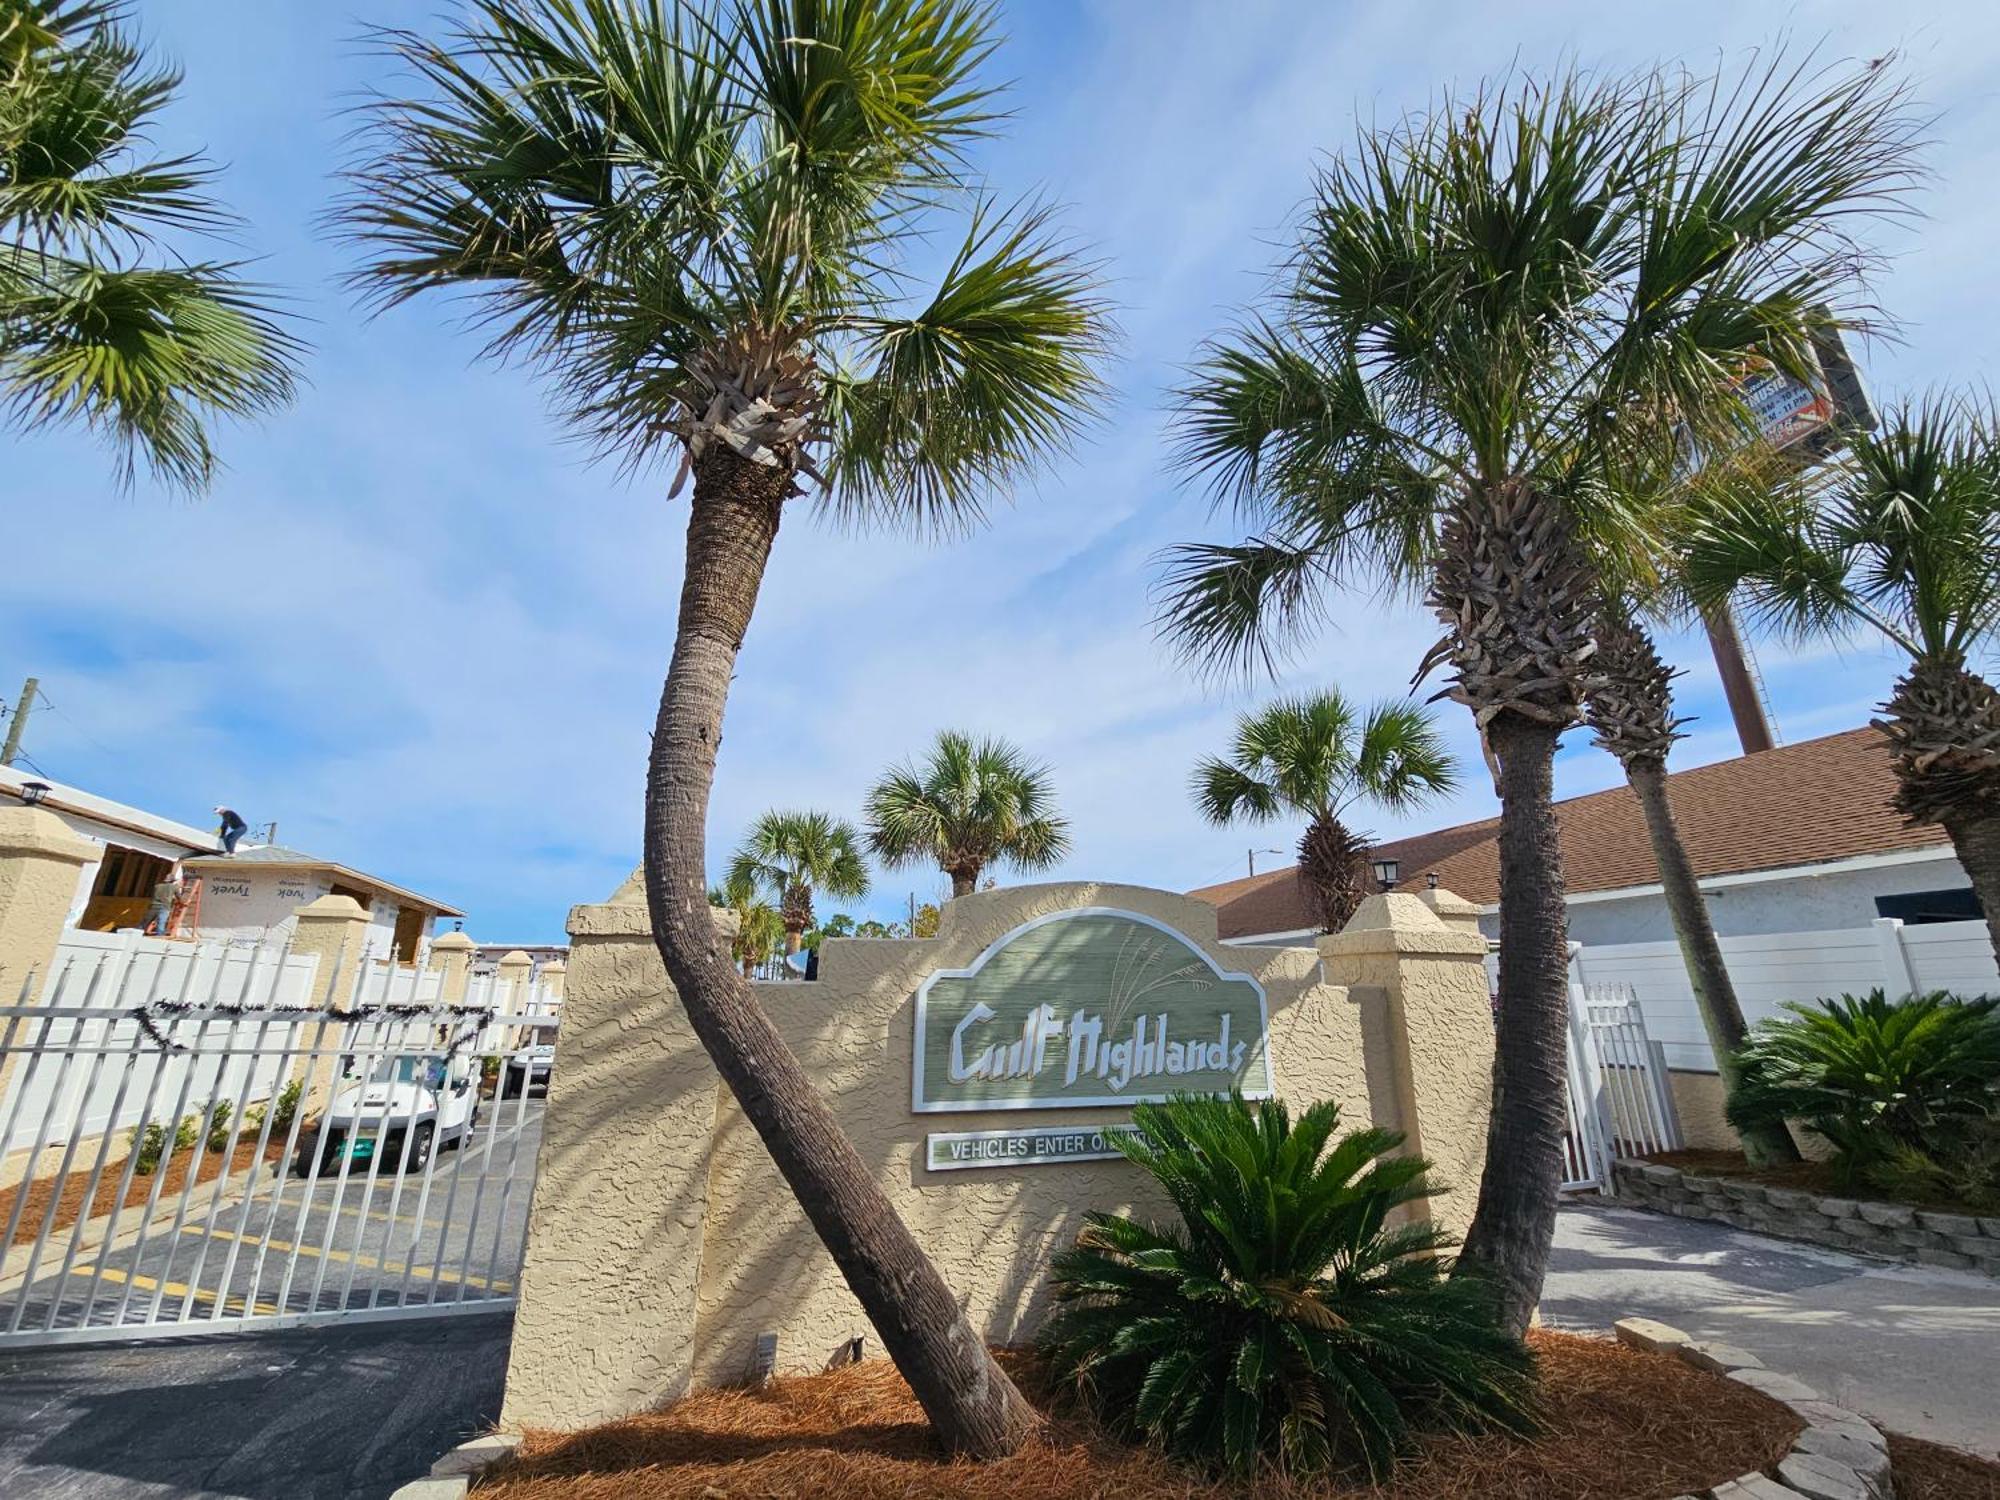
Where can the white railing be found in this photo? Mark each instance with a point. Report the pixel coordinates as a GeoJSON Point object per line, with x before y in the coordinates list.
{"type": "Point", "coordinates": [1771, 968]}
{"type": "Point", "coordinates": [397, 1185]}
{"type": "Point", "coordinates": [103, 974]}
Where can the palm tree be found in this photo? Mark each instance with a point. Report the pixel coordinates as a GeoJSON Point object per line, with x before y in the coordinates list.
{"type": "Point", "coordinates": [1901, 538]}
{"type": "Point", "coordinates": [792, 854]}
{"type": "Point", "coordinates": [758, 928]}
{"type": "Point", "coordinates": [101, 324]}
{"type": "Point", "coordinates": [1316, 758]}
{"type": "Point", "coordinates": [693, 219]}
{"type": "Point", "coordinates": [972, 803]}
{"type": "Point", "coordinates": [1629, 707]}
{"type": "Point", "coordinates": [1498, 317]}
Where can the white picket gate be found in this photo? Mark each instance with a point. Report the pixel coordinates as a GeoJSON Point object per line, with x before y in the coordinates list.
{"type": "Point", "coordinates": [397, 1187]}
{"type": "Point", "coordinates": [1620, 1102]}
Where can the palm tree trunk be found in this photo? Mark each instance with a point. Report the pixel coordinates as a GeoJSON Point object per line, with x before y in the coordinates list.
{"type": "Point", "coordinates": [1515, 1223]}
{"type": "Point", "coordinates": [964, 882]}
{"type": "Point", "coordinates": [1976, 841]}
{"type": "Point", "coordinates": [1701, 954]}
{"type": "Point", "coordinates": [971, 1404]}
{"type": "Point", "coordinates": [1332, 864]}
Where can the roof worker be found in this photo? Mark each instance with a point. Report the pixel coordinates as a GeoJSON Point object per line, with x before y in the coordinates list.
{"type": "Point", "coordinates": [233, 828]}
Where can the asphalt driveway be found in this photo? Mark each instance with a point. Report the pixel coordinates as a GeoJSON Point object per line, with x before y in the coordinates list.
{"type": "Point", "coordinates": [1917, 1349]}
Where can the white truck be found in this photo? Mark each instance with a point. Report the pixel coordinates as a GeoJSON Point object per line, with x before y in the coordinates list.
{"type": "Point", "coordinates": [428, 1101]}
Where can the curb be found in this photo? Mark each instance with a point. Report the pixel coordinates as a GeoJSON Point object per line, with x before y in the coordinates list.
{"type": "Point", "coordinates": [1841, 1455]}
{"type": "Point", "coordinates": [451, 1476]}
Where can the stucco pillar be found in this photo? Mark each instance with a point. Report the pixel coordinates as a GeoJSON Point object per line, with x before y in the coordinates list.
{"type": "Point", "coordinates": [334, 929]}
{"type": "Point", "coordinates": [452, 954]}
{"type": "Point", "coordinates": [1452, 910]}
{"type": "Point", "coordinates": [605, 1324]}
{"type": "Point", "coordinates": [39, 861]}
{"type": "Point", "coordinates": [1427, 1029]}
{"type": "Point", "coordinates": [554, 976]}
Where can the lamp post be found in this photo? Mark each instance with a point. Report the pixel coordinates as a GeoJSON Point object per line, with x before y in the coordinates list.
{"type": "Point", "coordinates": [32, 793]}
{"type": "Point", "coordinates": [1386, 872]}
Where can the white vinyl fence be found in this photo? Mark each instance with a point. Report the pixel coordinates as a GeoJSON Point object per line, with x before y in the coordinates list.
{"type": "Point", "coordinates": [1771, 968]}
{"type": "Point", "coordinates": [103, 976]}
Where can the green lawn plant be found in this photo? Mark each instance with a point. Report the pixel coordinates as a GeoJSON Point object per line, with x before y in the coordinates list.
{"type": "Point", "coordinates": [1906, 1091]}
{"type": "Point", "coordinates": [1284, 1319]}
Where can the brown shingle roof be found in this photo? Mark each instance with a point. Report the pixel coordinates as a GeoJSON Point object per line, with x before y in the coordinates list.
{"type": "Point", "coordinates": [1801, 804]}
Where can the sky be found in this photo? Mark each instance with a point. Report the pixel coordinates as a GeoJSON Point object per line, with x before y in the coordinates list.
{"type": "Point", "coordinates": [415, 627]}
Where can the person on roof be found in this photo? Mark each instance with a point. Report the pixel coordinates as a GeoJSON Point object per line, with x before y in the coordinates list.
{"type": "Point", "coordinates": [233, 828]}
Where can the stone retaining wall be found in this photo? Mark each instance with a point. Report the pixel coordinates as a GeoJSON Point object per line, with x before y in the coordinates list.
{"type": "Point", "coordinates": [1894, 1231]}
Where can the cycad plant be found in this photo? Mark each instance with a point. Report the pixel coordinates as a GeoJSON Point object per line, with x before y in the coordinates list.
{"type": "Point", "coordinates": [1629, 707]}
{"type": "Point", "coordinates": [1878, 1078]}
{"type": "Point", "coordinates": [791, 855]}
{"type": "Point", "coordinates": [1283, 1319]}
{"type": "Point", "coordinates": [1499, 321]}
{"type": "Point", "coordinates": [971, 804]}
{"type": "Point", "coordinates": [1318, 757]}
{"type": "Point", "coordinates": [105, 320]}
{"type": "Point", "coordinates": [1900, 538]}
{"type": "Point", "coordinates": [697, 221]}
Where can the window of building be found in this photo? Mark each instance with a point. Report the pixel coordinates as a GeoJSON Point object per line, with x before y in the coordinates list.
{"type": "Point", "coordinates": [1918, 907]}
{"type": "Point", "coordinates": [122, 894]}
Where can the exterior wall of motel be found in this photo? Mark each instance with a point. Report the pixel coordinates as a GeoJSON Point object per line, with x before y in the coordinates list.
{"type": "Point", "coordinates": [1798, 902]}
{"type": "Point", "coordinates": [662, 1241]}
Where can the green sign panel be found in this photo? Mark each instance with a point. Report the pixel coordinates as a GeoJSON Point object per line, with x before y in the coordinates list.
{"type": "Point", "coordinates": [957, 1150]}
{"type": "Point", "coordinates": [1087, 1007]}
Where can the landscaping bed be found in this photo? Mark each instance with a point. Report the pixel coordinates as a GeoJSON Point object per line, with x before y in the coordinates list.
{"type": "Point", "coordinates": [69, 1204]}
{"type": "Point", "coordinates": [1796, 1202]}
{"type": "Point", "coordinates": [1618, 1423]}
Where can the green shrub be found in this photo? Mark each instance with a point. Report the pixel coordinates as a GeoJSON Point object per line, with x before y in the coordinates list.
{"type": "Point", "coordinates": [1879, 1079]}
{"type": "Point", "coordinates": [1282, 1319]}
{"type": "Point", "coordinates": [218, 1125]}
{"type": "Point", "coordinates": [286, 1106]}
{"type": "Point", "coordinates": [152, 1144]}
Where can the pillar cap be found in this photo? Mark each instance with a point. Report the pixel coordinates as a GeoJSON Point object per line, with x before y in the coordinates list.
{"type": "Point", "coordinates": [39, 833]}
{"type": "Point", "coordinates": [514, 958]}
{"type": "Point", "coordinates": [452, 942]}
{"type": "Point", "coordinates": [555, 966]}
{"type": "Point", "coordinates": [331, 908]}
{"type": "Point", "coordinates": [1401, 923]}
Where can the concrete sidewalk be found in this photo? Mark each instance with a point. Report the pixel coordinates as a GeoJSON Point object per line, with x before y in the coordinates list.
{"type": "Point", "coordinates": [1918, 1350]}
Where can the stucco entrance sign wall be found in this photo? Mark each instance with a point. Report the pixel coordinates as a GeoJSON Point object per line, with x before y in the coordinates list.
{"type": "Point", "coordinates": [1091, 1006]}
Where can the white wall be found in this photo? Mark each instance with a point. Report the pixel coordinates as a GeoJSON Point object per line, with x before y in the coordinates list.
{"type": "Point", "coordinates": [1795, 903]}
{"type": "Point", "coordinates": [248, 902]}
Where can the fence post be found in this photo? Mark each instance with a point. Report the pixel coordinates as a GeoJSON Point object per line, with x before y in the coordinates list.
{"type": "Point", "coordinates": [553, 975]}
{"type": "Point", "coordinates": [1898, 978]}
{"type": "Point", "coordinates": [452, 954]}
{"type": "Point", "coordinates": [334, 929]}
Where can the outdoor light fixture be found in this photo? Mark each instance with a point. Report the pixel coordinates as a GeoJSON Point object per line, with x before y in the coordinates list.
{"type": "Point", "coordinates": [1431, 880]}
{"type": "Point", "coordinates": [1386, 871]}
{"type": "Point", "coordinates": [32, 792]}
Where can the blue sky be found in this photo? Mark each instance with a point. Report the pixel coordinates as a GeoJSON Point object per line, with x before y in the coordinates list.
{"type": "Point", "coordinates": [415, 628]}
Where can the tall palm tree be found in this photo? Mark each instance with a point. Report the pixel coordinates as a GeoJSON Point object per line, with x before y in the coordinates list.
{"type": "Point", "coordinates": [971, 804]}
{"type": "Point", "coordinates": [695, 219]}
{"type": "Point", "coordinates": [1317, 758]}
{"type": "Point", "coordinates": [101, 323]}
{"type": "Point", "coordinates": [793, 854]}
{"type": "Point", "coordinates": [1902, 538]}
{"type": "Point", "coordinates": [758, 927]}
{"type": "Point", "coordinates": [1629, 707]}
{"type": "Point", "coordinates": [1495, 316]}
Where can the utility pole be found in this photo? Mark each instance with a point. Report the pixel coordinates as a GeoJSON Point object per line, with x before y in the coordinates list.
{"type": "Point", "coordinates": [19, 723]}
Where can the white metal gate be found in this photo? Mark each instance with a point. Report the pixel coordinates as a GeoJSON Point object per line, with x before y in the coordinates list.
{"type": "Point", "coordinates": [177, 1165]}
{"type": "Point", "coordinates": [1619, 1100]}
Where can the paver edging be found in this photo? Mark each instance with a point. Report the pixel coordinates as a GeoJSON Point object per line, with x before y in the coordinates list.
{"type": "Point", "coordinates": [452, 1475]}
{"type": "Point", "coordinates": [1886, 1231]}
{"type": "Point", "coordinates": [1840, 1454]}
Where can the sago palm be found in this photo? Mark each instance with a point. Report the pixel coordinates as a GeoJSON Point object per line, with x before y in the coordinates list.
{"type": "Point", "coordinates": [1900, 538]}
{"type": "Point", "coordinates": [697, 221]}
{"type": "Point", "coordinates": [969, 805]}
{"type": "Point", "coordinates": [1284, 1318]}
{"type": "Point", "coordinates": [793, 854]}
{"type": "Point", "coordinates": [1498, 320]}
{"type": "Point", "coordinates": [1629, 707]}
{"type": "Point", "coordinates": [105, 322]}
{"type": "Point", "coordinates": [1317, 758]}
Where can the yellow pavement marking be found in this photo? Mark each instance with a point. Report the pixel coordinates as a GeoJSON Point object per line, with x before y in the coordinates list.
{"type": "Point", "coordinates": [171, 1288]}
{"type": "Point", "coordinates": [367, 1262]}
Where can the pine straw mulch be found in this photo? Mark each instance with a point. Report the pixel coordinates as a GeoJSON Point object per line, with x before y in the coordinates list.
{"type": "Point", "coordinates": [1930, 1471]}
{"type": "Point", "coordinates": [70, 1203]}
{"type": "Point", "coordinates": [1619, 1423]}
